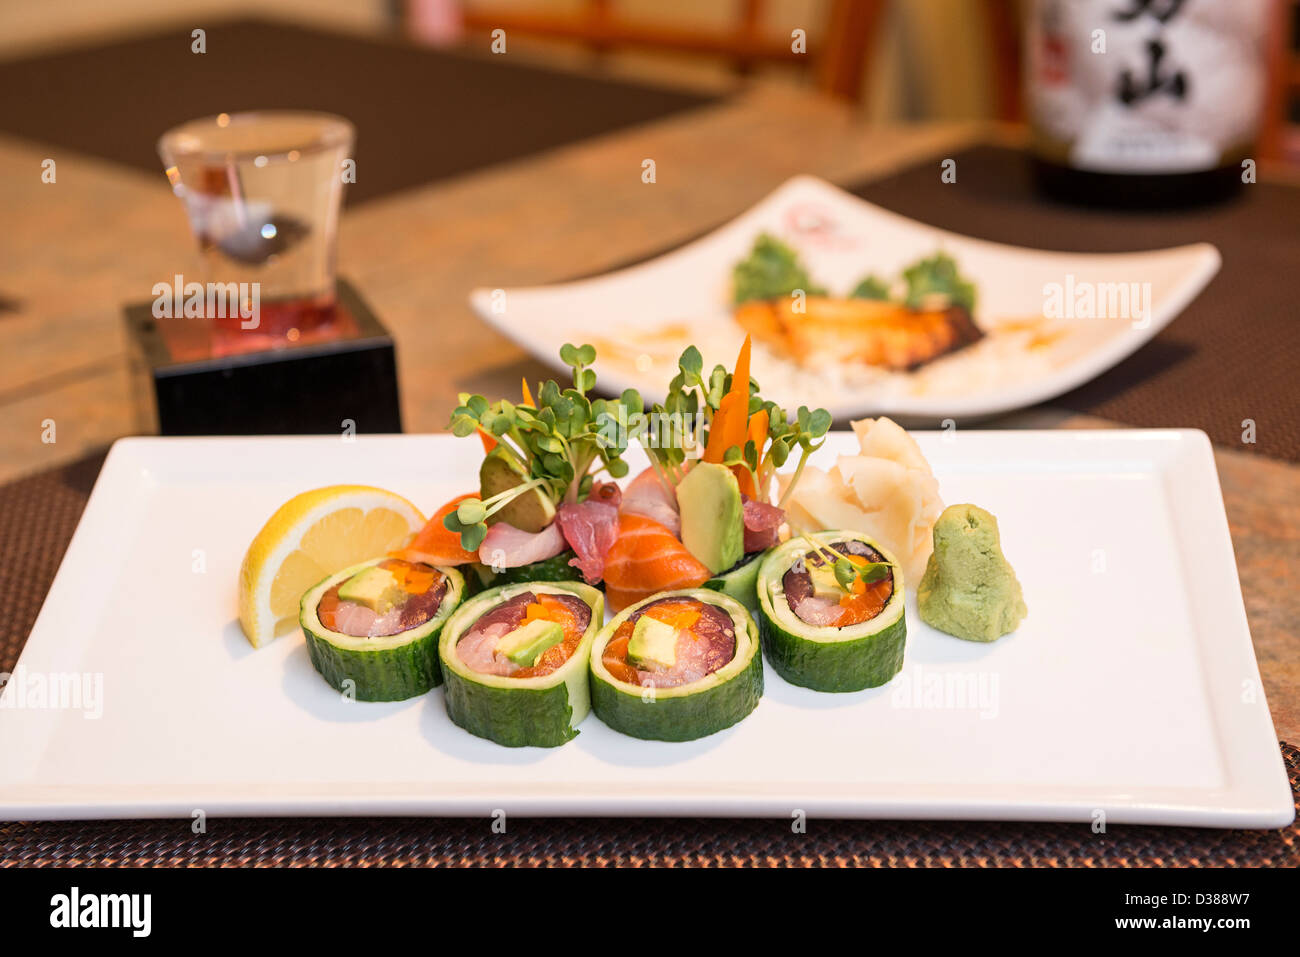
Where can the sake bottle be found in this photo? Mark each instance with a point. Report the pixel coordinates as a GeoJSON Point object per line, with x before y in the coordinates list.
{"type": "Point", "coordinates": [1144, 103]}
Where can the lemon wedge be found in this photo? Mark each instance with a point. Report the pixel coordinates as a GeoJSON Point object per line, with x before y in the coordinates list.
{"type": "Point", "coordinates": [310, 537]}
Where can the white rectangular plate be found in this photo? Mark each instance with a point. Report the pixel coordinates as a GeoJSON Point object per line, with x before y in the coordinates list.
{"type": "Point", "coordinates": [642, 317]}
{"type": "Point", "coordinates": [1130, 691]}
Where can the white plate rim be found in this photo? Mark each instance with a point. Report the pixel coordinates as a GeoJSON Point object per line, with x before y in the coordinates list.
{"type": "Point", "coordinates": [1257, 795]}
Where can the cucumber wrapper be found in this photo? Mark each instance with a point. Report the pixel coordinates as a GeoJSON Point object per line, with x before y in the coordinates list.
{"type": "Point", "coordinates": [554, 569]}
{"type": "Point", "coordinates": [852, 658]}
{"type": "Point", "coordinates": [689, 711]}
{"type": "Point", "coordinates": [383, 668]}
{"type": "Point", "coordinates": [542, 711]}
{"type": "Point", "coordinates": [740, 581]}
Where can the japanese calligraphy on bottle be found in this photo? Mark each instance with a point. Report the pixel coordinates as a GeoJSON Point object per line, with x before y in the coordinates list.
{"type": "Point", "coordinates": [1145, 86]}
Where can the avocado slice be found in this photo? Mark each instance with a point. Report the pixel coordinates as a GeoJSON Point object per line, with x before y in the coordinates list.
{"type": "Point", "coordinates": [530, 512]}
{"type": "Point", "coordinates": [525, 644]}
{"type": "Point", "coordinates": [376, 588]}
{"type": "Point", "coordinates": [653, 644]}
{"type": "Point", "coordinates": [713, 518]}
{"type": "Point", "coordinates": [824, 583]}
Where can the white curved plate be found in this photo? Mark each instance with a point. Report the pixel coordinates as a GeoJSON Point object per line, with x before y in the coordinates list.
{"type": "Point", "coordinates": [642, 317]}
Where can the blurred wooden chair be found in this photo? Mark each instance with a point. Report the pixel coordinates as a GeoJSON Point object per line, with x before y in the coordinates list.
{"type": "Point", "coordinates": [838, 57]}
{"type": "Point", "coordinates": [1279, 139]}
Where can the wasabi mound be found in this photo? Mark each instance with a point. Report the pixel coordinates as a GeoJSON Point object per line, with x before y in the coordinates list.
{"type": "Point", "coordinates": [969, 588]}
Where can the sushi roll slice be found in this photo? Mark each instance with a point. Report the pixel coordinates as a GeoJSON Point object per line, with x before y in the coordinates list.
{"type": "Point", "coordinates": [515, 660]}
{"type": "Point", "coordinates": [740, 581]}
{"type": "Point", "coordinates": [677, 666]}
{"type": "Point", "coordinates": [372, 629]}
{"type": "Point", "coordinates": [819, 634]}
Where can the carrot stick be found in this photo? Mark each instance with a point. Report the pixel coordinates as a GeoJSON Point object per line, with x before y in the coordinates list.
{"type": "Point", "coordinates": [757, 435]}
{"type": "Point", "coordinates": [738, 422]}
{"type": "Point", "coordinates": [740, 378]}
{"type": "Point", "coordinates": [758, 430]}
{"type": "Point", "coordinates": [721, 431]}
{"type": "Point", "coordinates": [730, 423]}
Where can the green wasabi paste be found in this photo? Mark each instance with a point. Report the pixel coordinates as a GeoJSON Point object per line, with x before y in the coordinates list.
{"type": "Point", "coordinates": [969, 588]}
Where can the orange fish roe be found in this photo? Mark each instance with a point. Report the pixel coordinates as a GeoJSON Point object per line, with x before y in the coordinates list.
{"type": "Point", "coordinates": [413, 579]}
{"type": "Point", "coordinates": [682, 615]}
{"type": "Point", "coordinates": [866, 602]}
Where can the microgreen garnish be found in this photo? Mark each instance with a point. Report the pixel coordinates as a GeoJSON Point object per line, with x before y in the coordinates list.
{"type": "Point", "coordinates": [848, 572]}
{"type": "Point", "coordinates": [735, 425]}
{"type": "Point", "coordinates": [556, 439]}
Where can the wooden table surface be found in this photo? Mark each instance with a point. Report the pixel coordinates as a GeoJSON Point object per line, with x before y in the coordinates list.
{"type": "Point", "coordinates": [72, 251]}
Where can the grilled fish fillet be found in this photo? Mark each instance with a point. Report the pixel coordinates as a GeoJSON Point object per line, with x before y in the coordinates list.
{"type": "Point", "coordinates": [869, 331]}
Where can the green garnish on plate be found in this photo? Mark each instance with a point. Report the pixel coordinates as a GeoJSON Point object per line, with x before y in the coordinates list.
{"type": "Point", "coordinates": [552, 446]}
{"type": "Point", "coordinates": [770, 270]}
{"type": "Point", "coordinates": [938, 276]}
{"type": "Point", "coordinates": [694, 397]}
{"type": "Point", "coordinates": [871, 287]}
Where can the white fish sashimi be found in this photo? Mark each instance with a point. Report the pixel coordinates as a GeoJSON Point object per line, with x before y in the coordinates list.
{"type": "Point", "coordinates": [647, 497]}
{"type": "Point", "coordinates": [505, 546]}
{"type": "Point", "coordinates": [819, 612]}
{"type": "Point", "coordinates": [478, 650]}
{"type": "Point", "coordinates": [353, 619]}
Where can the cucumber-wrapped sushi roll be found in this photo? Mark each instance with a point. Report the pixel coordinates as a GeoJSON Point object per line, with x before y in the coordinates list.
{"type": "Point", "coordinates": [740, 581]}
{"type": "Point", "coordinates": [376, 625]}
{"type": "Point", "coordinates": [831, 612]}
{"type": "Point", "coordinates": [677, 666]}
{"type": "Point", "coordinates": [515, 661]}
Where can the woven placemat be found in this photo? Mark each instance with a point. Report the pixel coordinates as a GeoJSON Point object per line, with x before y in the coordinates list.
{"type": "Point", "coordinates": [37, 519]}
{"type": "Point", "coordinates": [421, 114]}
{"type": "Point", "coordinates": [1232, 355]}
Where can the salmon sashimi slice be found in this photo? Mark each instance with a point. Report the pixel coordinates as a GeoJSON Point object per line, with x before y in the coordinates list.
{"type": "Point", "coordinates": [435, 544]}
{"type": "Point", "coordinates": [647, 558]}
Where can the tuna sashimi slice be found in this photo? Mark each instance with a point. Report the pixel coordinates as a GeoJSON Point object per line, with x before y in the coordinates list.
{"type": "Point", "coordinates": [762, 522]}
{"type": "Point", "coordinates": [590, 528]}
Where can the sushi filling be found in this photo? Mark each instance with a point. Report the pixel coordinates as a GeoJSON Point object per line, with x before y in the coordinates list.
{"type": "Point", "coordinates": [680, 640]}
{"type": "Point", "coordinates": [386, 598]}
{"type": "Point", "coordinates": [528, 636]}
{"type": "Point", "coordinates": [816, 599]}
